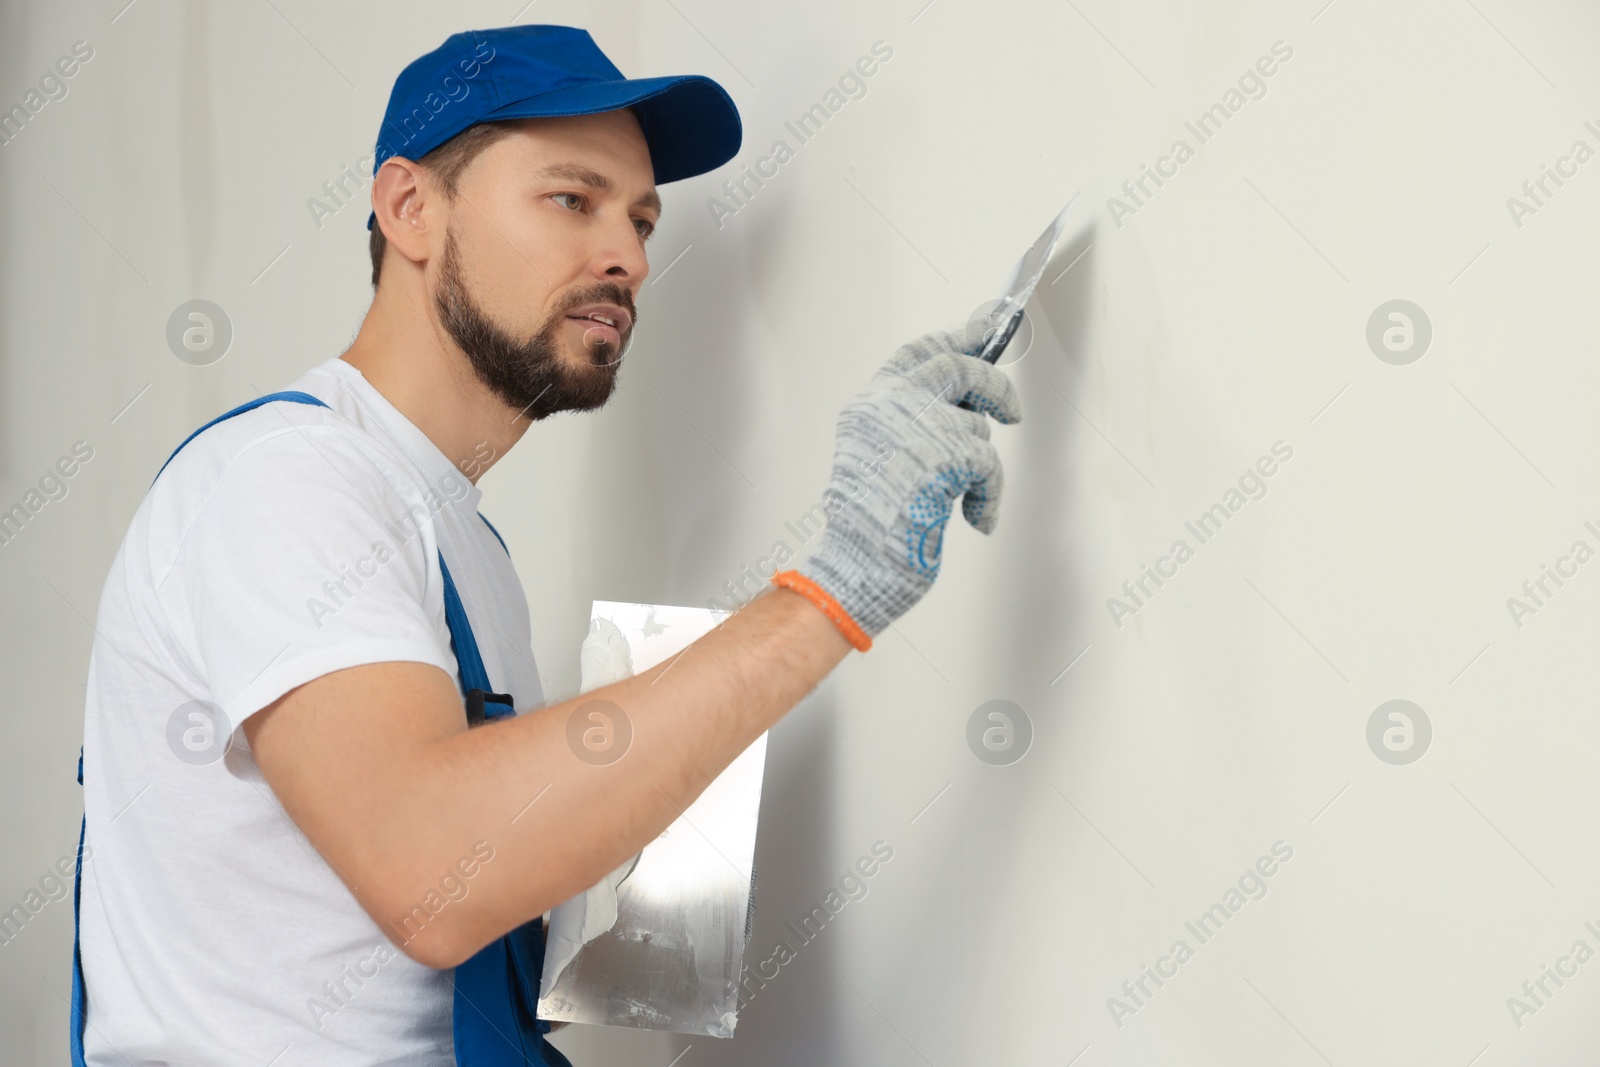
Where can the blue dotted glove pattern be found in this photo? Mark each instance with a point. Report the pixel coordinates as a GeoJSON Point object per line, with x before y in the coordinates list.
{"type": "Point", "coordinates": [930, 512]}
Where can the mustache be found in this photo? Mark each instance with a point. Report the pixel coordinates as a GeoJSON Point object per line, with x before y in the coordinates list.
{"type": "Point", "coordinates": [603, 293]}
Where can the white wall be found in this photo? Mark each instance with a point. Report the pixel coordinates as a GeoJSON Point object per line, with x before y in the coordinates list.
{"type": "Point", "coordinates": [1228, 313]}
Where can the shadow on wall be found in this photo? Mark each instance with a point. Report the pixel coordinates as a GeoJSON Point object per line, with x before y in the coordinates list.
{"type": "Point", "coordinates": [784, 1022]}
{"type": "Point", "coordinates": [1037, 591]}
{"type": "Point", "coordinates": [664, 529]}
{"type": "Point", "coordinates": [753, 257]}
{"type": "Point", "coordinates": [1034, 608]}
{"type": "Point", "coordinates": [656, 513]}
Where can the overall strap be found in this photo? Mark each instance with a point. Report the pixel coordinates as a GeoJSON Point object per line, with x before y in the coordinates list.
{"type": "Point", "coordinates": [482, 704]}
{"type": "Point", "coordinates": [474, 676]}
{"type": "Point", "coordinates": [494, 1017]}
{"type": "Point", "coordinates": [291, 395]}
{"type": "Point", "coordinates": [80, 998]}
{"type": "Point", "coordinates": [496, 533]}
{"type": "Point", "coordinates": [80, 994]}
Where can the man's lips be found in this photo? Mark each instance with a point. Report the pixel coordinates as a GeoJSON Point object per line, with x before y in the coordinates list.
{"type": "Point", "coordinates": [612, 321]}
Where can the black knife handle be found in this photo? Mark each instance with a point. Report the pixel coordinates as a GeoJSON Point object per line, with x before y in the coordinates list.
{"type": "Point", "coordinates": [999, 345]}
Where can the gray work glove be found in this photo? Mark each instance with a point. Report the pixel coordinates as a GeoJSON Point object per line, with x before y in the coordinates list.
{"type": "Point", "coordinates": [905, 452]}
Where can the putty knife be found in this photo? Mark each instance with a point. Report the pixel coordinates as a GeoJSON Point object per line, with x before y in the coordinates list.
{"type": "Point", "coordinates": [1007, 315]}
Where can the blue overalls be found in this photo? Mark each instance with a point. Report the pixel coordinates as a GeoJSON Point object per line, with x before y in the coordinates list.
{"type": "Point", "coordinates": [497, 990]}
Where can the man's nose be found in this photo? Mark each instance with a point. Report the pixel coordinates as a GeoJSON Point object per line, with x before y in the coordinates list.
{"type": "Point", "coordinates": [622, 260]}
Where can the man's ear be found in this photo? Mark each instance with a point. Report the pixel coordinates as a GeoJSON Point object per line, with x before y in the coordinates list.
{"type": "Point", "coordinates": [400, 195]}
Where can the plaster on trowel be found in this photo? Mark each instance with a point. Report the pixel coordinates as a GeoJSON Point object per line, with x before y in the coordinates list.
{"type": "Point", "coordinates": [603, 659]}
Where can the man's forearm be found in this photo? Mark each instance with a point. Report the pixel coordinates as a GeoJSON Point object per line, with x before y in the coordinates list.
{"type": "Point", "coordinates": [689, 718]}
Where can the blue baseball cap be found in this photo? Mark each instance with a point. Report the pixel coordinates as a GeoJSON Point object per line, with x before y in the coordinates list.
{"type": "Point", "coordinates": [518, 72]}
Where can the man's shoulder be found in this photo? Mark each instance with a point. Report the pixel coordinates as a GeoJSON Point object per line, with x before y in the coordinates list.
{"type": "Point", "coordinates": [280, 455]}
{"type": "Point", "coordinates": [295, 439]}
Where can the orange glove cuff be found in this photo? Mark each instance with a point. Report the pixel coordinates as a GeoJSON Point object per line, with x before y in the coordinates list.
{"type": "Point", "coordinates": [830, 607]}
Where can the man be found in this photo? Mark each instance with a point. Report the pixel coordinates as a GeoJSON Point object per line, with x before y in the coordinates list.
{"type": "Point", "coordinates": [301, 849]}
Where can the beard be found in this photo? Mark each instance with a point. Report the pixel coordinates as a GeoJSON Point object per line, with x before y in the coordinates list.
{"type": "Point", "coordinates": [535, 376]}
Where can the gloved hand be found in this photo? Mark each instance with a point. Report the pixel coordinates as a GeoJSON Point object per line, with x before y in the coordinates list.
{"type": "Point", "coordinates": [905, 452]}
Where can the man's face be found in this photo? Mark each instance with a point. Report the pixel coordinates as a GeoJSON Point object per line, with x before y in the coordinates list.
{"type": "Point", "coordinates": [544, 242]}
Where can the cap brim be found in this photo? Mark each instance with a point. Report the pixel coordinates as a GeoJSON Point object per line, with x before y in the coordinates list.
{"type": "Point", "coordinates": [689, 121]}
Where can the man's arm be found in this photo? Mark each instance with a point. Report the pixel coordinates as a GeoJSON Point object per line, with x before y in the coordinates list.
{"type": "Point", "coordinates": [376, 766]}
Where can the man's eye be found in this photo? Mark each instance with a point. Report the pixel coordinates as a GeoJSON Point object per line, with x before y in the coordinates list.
{"type": "Point", "coordinates": [572, 196]}
{"type": "Point", "coordinates": [644, 226]}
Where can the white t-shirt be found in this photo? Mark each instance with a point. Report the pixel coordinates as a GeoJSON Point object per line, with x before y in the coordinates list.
{"type": "Point", "coordinates": [280, 545]}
